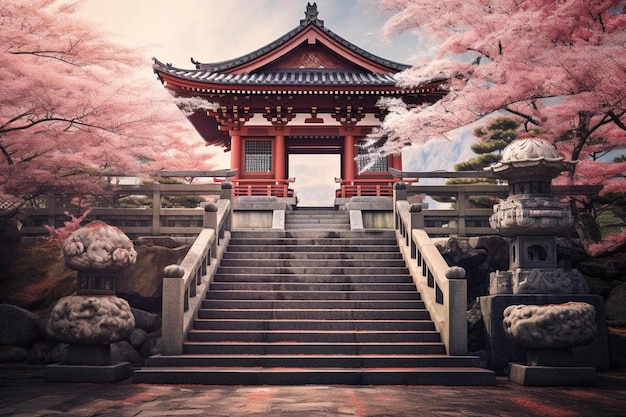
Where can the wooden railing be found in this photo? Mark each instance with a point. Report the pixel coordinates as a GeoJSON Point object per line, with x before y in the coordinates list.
{"type": "Point", "coordinates": [443, 288]}
{"type": "Point", "coordinates": [185, 284]}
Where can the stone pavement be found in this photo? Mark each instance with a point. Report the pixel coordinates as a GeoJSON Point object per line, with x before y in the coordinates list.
{"type": "Point", "coordinates": [23, 392]}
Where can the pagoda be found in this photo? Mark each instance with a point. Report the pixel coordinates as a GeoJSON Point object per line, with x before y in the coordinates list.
{"type": "Point", "coordinates": [308, 92]}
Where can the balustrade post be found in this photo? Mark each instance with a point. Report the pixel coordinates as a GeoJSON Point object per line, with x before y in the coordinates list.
{"type": "Point", "coordinates": [226, 193]}
{"type": "Point", "coordinates": [417, 222]}
{"type": "Point", "coordinates": [456, 310]}
{"type": "Point", "coordinates": [52, 209]}
{"type": "Point", "coordinates": [210, 222]}
{"type": "Point", "coordinates": [173, 307]}
{"type": "Point", "coordinates": [461, 205]}
{"type": "Point", "coordinates": [399, 193]}
{"type": "Point", "coordinates": [156, 209]}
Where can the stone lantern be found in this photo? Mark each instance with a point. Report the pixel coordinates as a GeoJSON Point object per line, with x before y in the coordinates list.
{"type": "Point", "coordinates": [537, 313]}
{"type": "Point", "coordinates": [532, 218]}
{"type": "Point", "coordinates": [95, 317]}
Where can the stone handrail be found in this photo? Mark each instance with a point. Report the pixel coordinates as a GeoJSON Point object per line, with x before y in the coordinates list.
{"type": "Point", "coordinates": [184, 284]}
{"type": "Point", "coordinates": [146, 221]}
{"type": "Point", "coordinates": [443, 288]}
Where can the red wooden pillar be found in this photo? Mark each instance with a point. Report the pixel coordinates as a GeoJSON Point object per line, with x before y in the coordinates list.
{"type": "Point", "coordinates": [349, 153]}
{"type": "Point", "coordinates": [235, 154]}
{"type": "Point", "coordinates": [279, 157]}
{"type": "Point", "coordinates": [395, 161]}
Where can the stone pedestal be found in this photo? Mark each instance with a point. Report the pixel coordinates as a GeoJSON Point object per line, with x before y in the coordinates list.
{"type": "Point", "coordinates": [88, 373]}
{"type": "Point", "coordinates": [549, 376]}
{"type": "Point", "coordinates": [501, 349]}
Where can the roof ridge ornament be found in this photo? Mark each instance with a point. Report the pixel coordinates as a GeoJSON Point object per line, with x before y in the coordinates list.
{"type": "Point", "coordinates": [310, 15]}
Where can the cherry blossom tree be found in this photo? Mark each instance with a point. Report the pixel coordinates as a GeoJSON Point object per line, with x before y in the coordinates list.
{"type": "Point", "coordinates": [76, 108]}
{"type": "Point", "coordinates": [560, 66]}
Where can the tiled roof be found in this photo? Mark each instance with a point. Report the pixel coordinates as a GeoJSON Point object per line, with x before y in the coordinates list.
{"type": "Point", "coordinates": [218, 73]}
{"type": "Point", "coordinates": [295, 77]}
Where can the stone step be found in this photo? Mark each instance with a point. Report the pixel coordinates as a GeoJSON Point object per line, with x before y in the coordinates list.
{"type": "Point", "coordinates": [313, 234]}
{"type": "Point", "coordinates": [314, 348]}
{"type": "Point", "coordinates": [304, 304]}
{"type": "Point", "coordinates": [314, 314]}
{"type": "Point", "coordinates": [234, 275]}
{"type": "Point", "coordinates": [317, 219]}
{"type": "Point", "coordinates": [264, 247]}
{"type": "Point", "coordinates": [311, 270]}
{"type": "Point", "coordinates": [310, 295]}
{"type": "Point", "coordinates": [320, 336]}
{"type": "Point", "coordinates": [342, 264]}
{"type": "Point", "coordinates": [356, 325]}
{"type": "Point", "coordinates": [317, 226]}
{"type": "Point", "coordinates": [306, 376]}
{"type": "Point", "coordinates": [315, 361]}
{"type": "Point", "coordinates": [319, 242]}
{"type": "Point", "coordinates": [308, 286]}
{"type": "Point", "coordinates": [313, 255]}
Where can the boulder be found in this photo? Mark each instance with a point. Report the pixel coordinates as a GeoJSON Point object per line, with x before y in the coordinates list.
{"type": "Point", "coordinates": [152, 345]}
{"type": "Point", "coordinates": [39, 278]}
{"type": "Point", "coordinates": [141, 284]}
{"type": "Point", "coordinates": [616, 306]}
{"type": "Point", "coordinates": [12, 354]}
{"type": "Point", "coordinates": [9, 244]}
{"type": "Point", "coordinates": [137, 337]}
{"type": "Point", "coordinates": [610, 267]}
{"type": "Point", "coordinates": [19, 327]}
{"type": "Point", "coordinates": [146, 321]}
{"type": "Point", "coordinates": [476, 262]}
{"type": "Point", "coordinates": [122, 351]}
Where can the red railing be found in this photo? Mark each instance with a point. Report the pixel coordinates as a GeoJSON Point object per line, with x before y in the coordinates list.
{"type": "Point", "coordinates": [365, 187]}
{"type": "Point", "coordinates": [257, 187]}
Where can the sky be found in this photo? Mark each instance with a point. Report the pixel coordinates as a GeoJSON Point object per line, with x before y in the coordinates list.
{"type": "Point", "coordinates": [174, 31]}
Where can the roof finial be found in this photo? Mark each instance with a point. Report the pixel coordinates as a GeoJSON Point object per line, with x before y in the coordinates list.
{"type": "Point", "coordinates": [310, 15]}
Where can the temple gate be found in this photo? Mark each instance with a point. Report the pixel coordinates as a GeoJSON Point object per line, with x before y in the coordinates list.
{"type": "Point", "coordinates": [308, 92]}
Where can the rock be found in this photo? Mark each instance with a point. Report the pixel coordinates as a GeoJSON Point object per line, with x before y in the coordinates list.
{"type": "Point", "coordinates": [146, 321]}
{"type": "Point", "coordinates": [19, 327]}
{"type": "Point", "coordinates": [12, 354]}
{"type": "Point", "coordinates": [616, 306]}
{"type": "Point", "coordinates": [137, 337]}
{"type": "Point", "coordinates": [617, 349]}
{"type": "Point", "coordinates": [34, 355]}
{"type": "Point", "coordinates": [142, 283]}
{"type": "Point", "coordinates": [39, 278]}
{"type": "Point", "coordinates": [497, 247]}
{"type": "Point", "coordinates": [122, 351]}
{"type": "Point", "coordinates": [476, 262]}
{"type": "Point", "coordinates": [9, 244]}
{"type": "Point", "coordinates": [607, 267]}
{"type": "Point", "coordinates": [58, 354]}
{"type": "Point", "coordinates": [164, 241]}
{"type": "Point", "coordinates": [152, 345]}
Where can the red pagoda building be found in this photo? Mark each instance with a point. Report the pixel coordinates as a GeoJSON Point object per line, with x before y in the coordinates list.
{"type": "Point", "coordinates": [308, 92]}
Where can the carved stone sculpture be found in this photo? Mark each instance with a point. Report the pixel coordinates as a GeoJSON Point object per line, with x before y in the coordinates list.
{"type": "Point", "coordinates": [551, 326]}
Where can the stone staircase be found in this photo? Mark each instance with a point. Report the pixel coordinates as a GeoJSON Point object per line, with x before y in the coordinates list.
{"type": "Point", "coordinates": [313, 307]}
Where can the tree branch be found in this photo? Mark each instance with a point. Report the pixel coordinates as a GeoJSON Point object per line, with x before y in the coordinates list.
{"type": "Point", "coordinates": [522, 115]}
